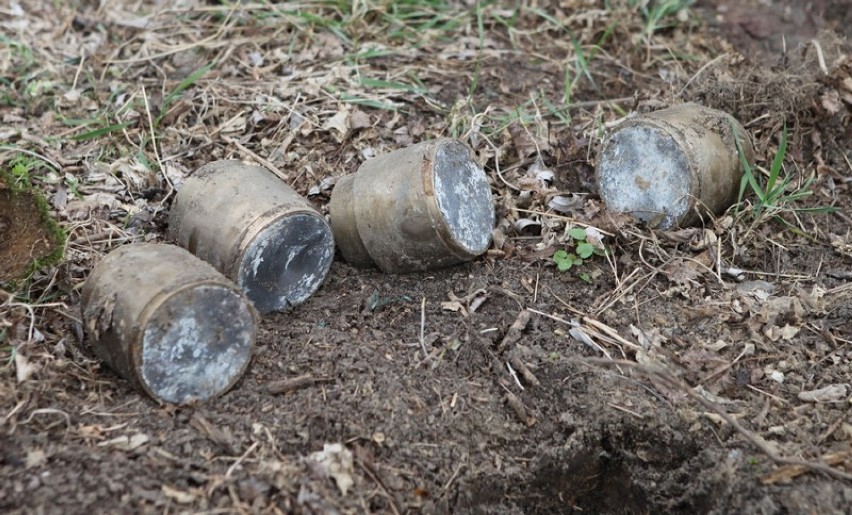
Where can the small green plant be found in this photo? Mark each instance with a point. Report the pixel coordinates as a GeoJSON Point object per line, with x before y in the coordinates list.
{"type": "Point", "coordinates": [376, 301]}
{"type": "Point", "coordinates": [658, 12]}
{"type": "Point", "coordinates": [584, 249]}
{"type": "Point", "coordinates": [565, 260]}
{"type": "Point", "coordinates": [774, 194]}
{"type": "Point", "coordinates": [21, 173]}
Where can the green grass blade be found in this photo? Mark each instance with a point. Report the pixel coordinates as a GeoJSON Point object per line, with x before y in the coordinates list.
{"type": "Point", "coordinates": [369, 102]}
{"type": "Point", "coordinates": [180, 88]}
{"type": "Point", "coordinates": [748, 173]}
{"type": "Point", "coordinates": [480, 25]}
{"type": "Point", "coordinates": [385, 84]}
{"type": "Point", "coordinates": [825, 210]}
{"type": "Point", "coordinates": [102, 131]}
{"type": "Point", "coordinates": [582, 62]}
{"type": "Point", "coordinates": [778, 162]}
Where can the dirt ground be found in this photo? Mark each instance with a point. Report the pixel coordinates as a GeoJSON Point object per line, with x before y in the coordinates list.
{"type": "Point", "coordinates": [704, 370]}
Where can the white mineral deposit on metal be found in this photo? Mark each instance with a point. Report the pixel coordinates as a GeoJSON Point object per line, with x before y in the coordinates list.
{"type": "Point", "coordinates": [643, 172]}
{"type": "Point", "coordinates": [286, 262]}
{"type": "Point", "coordinates": [195, 343]}
{"type": "Point", "coordinates": [464, 198]}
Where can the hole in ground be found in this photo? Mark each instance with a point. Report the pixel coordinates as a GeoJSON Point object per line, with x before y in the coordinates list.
{"type": "Point", "coordinates": [597, 478]}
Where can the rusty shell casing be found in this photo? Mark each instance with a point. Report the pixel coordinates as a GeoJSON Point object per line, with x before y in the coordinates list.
{"type": "Point", "coordinates": [168, 322]}
{"type": "Point", "coordinates": [670, 167]}
{"type": "Point", "coordinates": [418, 208]}
{"type": "Point", "coordinates": [256, 230]}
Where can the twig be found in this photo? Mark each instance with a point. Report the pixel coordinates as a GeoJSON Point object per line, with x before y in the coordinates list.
{"type": "Point", "coordinates": [622, 408]}
{"type": "Point", "coordinates": [253, 155]}
{"type": "Point", "coordinates": [156, 151]}
{"type": "Point", "coordinates": [497, 165]}
{"type": "Point", "coordinates": [453, 477]}
{"type": "Point", "coordinates": [296, 383]}
{"type": "Point", "coordinates": [240, 460]}
{"type": "Point", "coordinates": [423, 327]}
{"type": "Point", "coordinates": [700, 71]}
{"type": "Point", "coordinates": [514, 375]}
{"type": "Point", "coordinates": [79, 69]}
{"type": "Point", "coordinates": [368, 468]}
{"type": "Point", "coordinates": [820, 57]}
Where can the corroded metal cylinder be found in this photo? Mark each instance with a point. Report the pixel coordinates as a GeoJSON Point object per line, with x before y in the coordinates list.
{"type": "Point", "coordinates": [168, 322]}
{"type": "Point", "coordinates": [670, 167]}
{"type": "Point", "coordinates": [418, 208]}
{"type": "Point", "coordinates": [254, 229]}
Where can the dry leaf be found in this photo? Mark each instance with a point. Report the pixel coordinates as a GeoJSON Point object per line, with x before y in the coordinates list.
{"type": "Point", "coordinates": [527, 226]}
{"type": "Point", "coordinates": [35, 458]}
{"type": "Point", "coordinates": [23, 369]}
{"type": "Point", "coordinates": [566, 203]}
{"type": "Point", "coordinates": [830, 393]}
{"type": "Point", "coordinates": [683, 272]}
{"type": "Point", "coordinates": [830, 101]}
{"type": "Point", "coordinates": [452, 305]}
{"type": "Point", "coordinates": [359, 120]}
{"type": "Point", "coordinates": [335, 461]}
{"type": "Point", "coordinates": [126, 443]}
{"type": "Point", "coordinates": [648, 338]}
{"type": "Point", "coordinates": [786, 333]}
{"type": "Point", "coordinates": [340, 123]}
{"type": "Point", "coordinates": [178, 496]}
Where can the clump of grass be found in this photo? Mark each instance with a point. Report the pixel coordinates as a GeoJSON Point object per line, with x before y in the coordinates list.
{"type": "Point", "coordinates": [774, 193]}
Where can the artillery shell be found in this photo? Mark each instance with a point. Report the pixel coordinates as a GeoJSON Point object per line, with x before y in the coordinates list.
{"type": "Point", "coordinates": [671, 167]}
{"type": "Point", "coordinates": [254, 229]}
{"type": "Point", "coordinates": [417, 208]}
{"type": "Point", "coordinates": [168, 322]}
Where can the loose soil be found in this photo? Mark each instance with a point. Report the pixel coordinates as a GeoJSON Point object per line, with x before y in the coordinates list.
{"type": "Point", "coordinates": [704, 370]}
